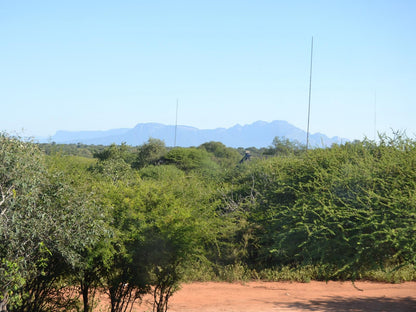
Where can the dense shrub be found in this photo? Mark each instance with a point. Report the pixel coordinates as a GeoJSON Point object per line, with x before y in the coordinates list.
{"type": "Point", "coordinates": [351, 207]}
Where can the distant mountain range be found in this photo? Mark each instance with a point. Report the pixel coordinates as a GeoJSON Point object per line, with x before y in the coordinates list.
{"type": "Point", "coordinates": [258, 134]}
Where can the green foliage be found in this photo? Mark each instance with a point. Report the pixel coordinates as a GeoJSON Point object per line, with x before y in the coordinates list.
{"type": "Point", "coordinates": [21, 181]}
{"type": "Point", "coordinates": [44, 221]}
{"type": "Point", "coordinates": [224, 156]}
{"type": "Point", "coordinates": [150, 153]}
{"type": "Point", "coordinates": [285, 147]}
{"type": "Point", "coordinates": [115, 152]}
{"type": "Point", "coordinates": [114, 163]}
{"type": "Point", "coordinates": [112, 169]}
{"type": "Point", "coordinates": [162, 173]}
{"type": "Point", "coordinates": [174, 237]}
{"type": "Point", "coordinates": [81, 150]}
{"type": "Point", "coordinates": [391, 274]}
{"type": "Point", "coordinates": [93, 256]}
{"type": "Point", "coordinates": [196, 161]}
{"type": "Point", "coordinates": [351, 207]}
{"type": "Point", "coordinates": [159, 231]}
{"type": "Point", "coordinates": [189, 159]}
{"type": "Point", "coordinates": [134, 220]}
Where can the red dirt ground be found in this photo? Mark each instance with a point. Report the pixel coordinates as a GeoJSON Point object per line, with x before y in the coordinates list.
{"type": "Point", "coordinates": [286, 296]}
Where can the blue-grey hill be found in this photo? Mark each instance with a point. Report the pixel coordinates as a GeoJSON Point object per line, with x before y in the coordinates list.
{"type": "Point", "coordinates": [258, 134]}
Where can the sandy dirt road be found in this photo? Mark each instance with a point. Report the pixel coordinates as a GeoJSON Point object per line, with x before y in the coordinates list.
{"type": "Point", "coordinates": [286, 296]}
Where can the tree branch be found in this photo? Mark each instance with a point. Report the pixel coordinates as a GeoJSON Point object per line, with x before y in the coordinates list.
{"type": "Point", "coordinates": [4, 197]}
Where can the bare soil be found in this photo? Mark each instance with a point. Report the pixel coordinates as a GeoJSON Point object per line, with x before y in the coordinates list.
{"type": "Point", "coordinates": [287, 296]}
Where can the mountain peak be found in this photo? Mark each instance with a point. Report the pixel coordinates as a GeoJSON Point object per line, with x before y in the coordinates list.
{"type": "Point", "coordinates": [258, 134]}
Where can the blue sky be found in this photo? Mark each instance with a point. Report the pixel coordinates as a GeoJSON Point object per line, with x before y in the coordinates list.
{"type": "Point", "coordinates": [97, 65]}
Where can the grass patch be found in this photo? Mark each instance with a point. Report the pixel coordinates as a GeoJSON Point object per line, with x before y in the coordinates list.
{"type": "Point", "coordinates": [239, 272]}
{"type": "Point", "coordinates": [401, 274]}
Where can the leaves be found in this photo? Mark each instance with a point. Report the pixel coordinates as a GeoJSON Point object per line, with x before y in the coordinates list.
{"type": "Point", "coordinates": [349, 206]}
{"type": "Point", "coordinates": [139, 217]}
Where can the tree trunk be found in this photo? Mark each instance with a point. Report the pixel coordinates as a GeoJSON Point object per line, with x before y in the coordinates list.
{"type": "Point", "coordinates": [84, 290]}
{"type": "Point", "coordinates": [3, 303]}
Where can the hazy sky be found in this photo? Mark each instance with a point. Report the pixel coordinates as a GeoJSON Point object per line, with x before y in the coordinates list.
{"type": "Point", "coordinates": [96, 65]}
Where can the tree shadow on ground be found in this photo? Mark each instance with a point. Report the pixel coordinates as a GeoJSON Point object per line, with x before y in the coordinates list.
{"type": "Point", "coordinates": [341, 304]}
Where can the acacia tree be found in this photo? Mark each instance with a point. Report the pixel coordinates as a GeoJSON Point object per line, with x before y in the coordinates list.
{"type": "Point", "coordinates": [285, 147]}
{"type": "Point", "coordinates": [227, 157]}
{"type": "Point", "coordinates": [21, 179]}
{"type": "Point", "coordinates": [124, 276]}
{"type": "Point", "coordinates": [179, 224]}
{"type": "Point", "coordinates": [45, 224]}
{"type": "Point", "coordinates": [345, 209]}
{"type": "Point", "coordinates": [150, 153]}
{"type": "Point", "coordinates": [82, 202]}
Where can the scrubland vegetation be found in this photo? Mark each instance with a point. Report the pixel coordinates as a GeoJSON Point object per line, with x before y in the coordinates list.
{"type": "Point", "coordinates": [76, 220]}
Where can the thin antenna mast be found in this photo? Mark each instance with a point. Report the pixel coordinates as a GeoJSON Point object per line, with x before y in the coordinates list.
{"type": "Point", "coordinates": [375, 115]}
{"type": "Point", "coordinates": [309, 105]}
{"type": "Point", "coordinates": [176, 122]}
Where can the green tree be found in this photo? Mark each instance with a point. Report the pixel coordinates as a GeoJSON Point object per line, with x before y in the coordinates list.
{"type": "Point", "coordinates": [150, 153]}
{"type": "Point", "coordinates": [176, 233]}
{"type": "Point", "coordinates": [44, 224]}
{"type": "Point", "coordinates": [284, 147]}
{"type": "Point", "coordinates": [114, 163]}
{"type": "Point", "coordinates": [191, 159]}
{"type": "Point", "coordinates": [346, 209]}
{"type": "Point", "coordinates": [163, 223]}
{"type": "Point", "coordinates": [226, 157]}
{"type": "Point", "coordinates": [21, 180]}
{"type": "Point", "coordinates": [75, 224]}
{"type": "Point", "coordinates": [124, 275]}
{"type": "Point", "coordinates": [115, 152]}
{"type": "Point", "coordinates": [86, 189]}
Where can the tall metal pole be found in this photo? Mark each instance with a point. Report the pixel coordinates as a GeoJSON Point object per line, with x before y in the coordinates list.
{"type": "Point", "coordinates": [176, 122]}
{"type": "Point", "coordinates": [375, 116]}
{"type": "Point", "coordinates": [309, 105]}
